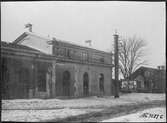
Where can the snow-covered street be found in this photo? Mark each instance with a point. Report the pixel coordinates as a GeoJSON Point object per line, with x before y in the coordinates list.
{"type": "Point", "coordinates": [48, 109]}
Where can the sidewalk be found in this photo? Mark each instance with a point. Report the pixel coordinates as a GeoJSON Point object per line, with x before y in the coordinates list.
{"type": "Point", "coordinates": [57, 109]}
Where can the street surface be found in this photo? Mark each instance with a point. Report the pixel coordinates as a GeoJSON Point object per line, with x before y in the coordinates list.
{"type": "Point", "coordinates": [78, 109]}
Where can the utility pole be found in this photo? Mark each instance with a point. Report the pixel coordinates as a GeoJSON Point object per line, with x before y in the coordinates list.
{"type": "Point", "coordinates": [116, 63]}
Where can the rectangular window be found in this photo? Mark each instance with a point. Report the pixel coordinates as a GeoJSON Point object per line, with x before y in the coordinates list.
{"type": "Point", "coordinates": [95, 58]}
{"type": "Point", "coordinates": [98, 58]}
{"type": "Point", "coordinates": [72, 54]}
{"type": "Point", "coordinates": [56, 51]}
{"type": "Point", "coordinates": [61, 52]}
{"type": "Point", "coordinates": [78, 55]}
{"type": "Point", "coordinates": [68, 53]}
{"type": "Point", "coordinates": [102, 59]}
{"type": "Point", "coordinates": [84, 56]}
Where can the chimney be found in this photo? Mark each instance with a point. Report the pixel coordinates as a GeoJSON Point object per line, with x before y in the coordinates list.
{"type": "Point", "coordinates": [159, 67]}
{"type": "Point", "coordinates": [163, 67]}
{"type": "Point", "coordinates": [89, 42]}
{"type": "Point", "coordinates": [29, 26]}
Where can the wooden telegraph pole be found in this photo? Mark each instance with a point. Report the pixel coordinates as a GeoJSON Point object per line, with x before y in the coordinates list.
{"type": "Point", "coordinates": [116, 63]}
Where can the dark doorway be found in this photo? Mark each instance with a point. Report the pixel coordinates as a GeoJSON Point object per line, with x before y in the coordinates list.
{"type": "Point", "coordinates": [5, 79]}
{"type": "Point", "coordinates": [23, 85]}
{"type": "Point", "coordinates": [41, 77]}
{"type": "Point", "coordinates": [101, 83]}
{"type": "Point", "coordinates": [85, 84]}
{"type": "Point", "coordinates": [66, 83]}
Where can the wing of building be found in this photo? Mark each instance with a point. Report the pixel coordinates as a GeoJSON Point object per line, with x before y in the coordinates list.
{"type": "Point", "coordinates": [149, 79]}
{"type": "Point", "coordinates": [37, 67]}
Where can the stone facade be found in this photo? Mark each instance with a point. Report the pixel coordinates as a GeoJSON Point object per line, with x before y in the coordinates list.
{"type": "Point", "coordinates": [20, 67]}
{"type": "Point", "coordinates": [77, 72]}
{"type": "Point", "coordinates": [57, 68]}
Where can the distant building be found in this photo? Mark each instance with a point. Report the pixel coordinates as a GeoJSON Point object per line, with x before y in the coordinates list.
{"type": "Point", "coordinates": [37, 67]}
{"type": "Point", "coordinates": [147, 79]}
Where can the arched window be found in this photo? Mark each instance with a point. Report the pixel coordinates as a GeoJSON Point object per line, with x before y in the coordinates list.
{"type": "Point", "coordinates": [101, 82]}
{"type": "Point", "coordinates": [41, 79]}
{"type": "Point", "coordinates": [5, 79]}
{"type": "Point", "coordinates": [66, 83]}
{"type": "Point", "coordinates": [85, 84]}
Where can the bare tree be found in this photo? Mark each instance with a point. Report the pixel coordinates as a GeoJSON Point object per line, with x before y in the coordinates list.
{"type": "Point", "coordinates": [131, 53]}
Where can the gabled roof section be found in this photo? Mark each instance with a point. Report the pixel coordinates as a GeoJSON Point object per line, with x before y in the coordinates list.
{"type": "Point", "coordinates": [21, 38]}
{"type": "Point", "coordinates": [142, 69]}
{"type": "Point", "coordinates": [18, 46]}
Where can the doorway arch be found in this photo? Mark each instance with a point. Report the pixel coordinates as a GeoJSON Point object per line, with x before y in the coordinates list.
{"type": "Point", "coordinates": [101, 83]}
{"type": "Point", "coordinates": [85, 84]}
{"type": "Point", "coordinates": [66, 83]}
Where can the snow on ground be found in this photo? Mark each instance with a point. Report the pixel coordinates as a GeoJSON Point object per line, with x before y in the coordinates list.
{"type": "Point", "coordinates": [91, 102]}
{"type": "Point", "coordinates": [148, 115]}
{"type": "Point", "coordinates": [38, 115]}
{"type": "Point", "coordinates": [47, 109]}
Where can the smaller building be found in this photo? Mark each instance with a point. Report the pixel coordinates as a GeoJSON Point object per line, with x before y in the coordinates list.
{"type": "Point", "coordinates": [146, 79]}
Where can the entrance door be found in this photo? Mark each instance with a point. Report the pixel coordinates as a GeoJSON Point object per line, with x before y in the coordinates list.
{"type": "Point", "coordinates": [85, 84]}
{"type": "Point", "coordinates": [101, 83]}
{"type": "Point", "coordinates": [23, 84]}
{"type": "Point", "coordinates": [66, 83]}
{"type": "Point", "coordinates": [5, 79]}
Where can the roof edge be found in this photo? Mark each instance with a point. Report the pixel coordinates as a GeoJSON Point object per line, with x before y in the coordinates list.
{"type": "Point", "coordinates": [18, 39]}
{"type": "Point", "coordinates": [22, 36]}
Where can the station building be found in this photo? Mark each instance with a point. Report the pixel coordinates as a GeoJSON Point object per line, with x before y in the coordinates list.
{"type": "Point", "coordinates": [39, 67]}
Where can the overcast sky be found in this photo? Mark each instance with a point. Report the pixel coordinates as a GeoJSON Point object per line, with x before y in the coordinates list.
{"type": "Point", "coordinates": [84, 20]}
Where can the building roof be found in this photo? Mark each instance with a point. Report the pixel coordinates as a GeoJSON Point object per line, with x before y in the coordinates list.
{"type": "Point", "coordinates": [18, 46]}
{"type": "Point", "coordinates": [32, 34]}
{"type": "Point", "coordinates": [8, 47]}
{"type": "Point", "coordinates": [49, 39]}
{"type": "Point", "coordinates": [142, 69]}
{"type": "Point", "coordinates": [149, 68]}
